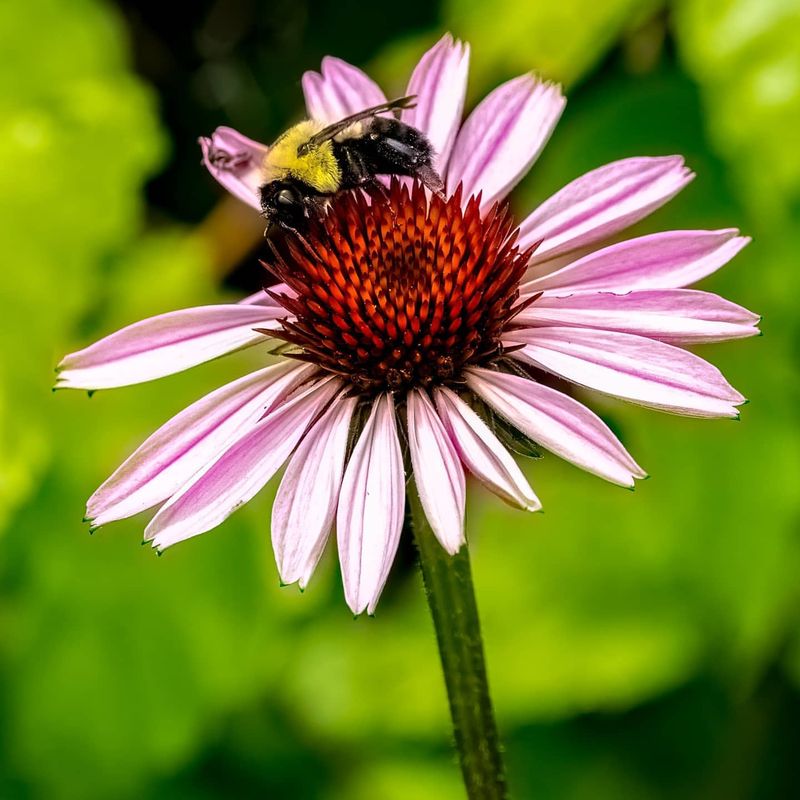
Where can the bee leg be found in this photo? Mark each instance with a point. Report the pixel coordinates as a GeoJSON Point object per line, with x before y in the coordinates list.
{"type": "Point", "coordinates": [373, 184]}
{"type": "Point", "coordinates": [430, 179]}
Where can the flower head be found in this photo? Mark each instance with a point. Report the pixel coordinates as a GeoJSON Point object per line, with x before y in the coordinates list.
{"type": "Point", "coordinates": [412, 324]}
{"type": "Point", "coordinates": [394, 291]}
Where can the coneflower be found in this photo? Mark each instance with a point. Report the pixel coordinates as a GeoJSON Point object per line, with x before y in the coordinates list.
{"type": "Point", "coordinates": [413, 326]}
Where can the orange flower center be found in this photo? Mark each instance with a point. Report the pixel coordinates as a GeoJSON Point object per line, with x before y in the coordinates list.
{"type": "Point", "coordinates": [396, 290]}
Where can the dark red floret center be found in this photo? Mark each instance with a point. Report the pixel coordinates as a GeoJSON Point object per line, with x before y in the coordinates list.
{"type": "Point", "coordinates": [394, 290]}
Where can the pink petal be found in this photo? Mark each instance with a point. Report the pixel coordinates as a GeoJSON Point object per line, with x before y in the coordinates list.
{"type": "Point", "coordinates": [437, 470]}
{"type": "Point", "coordinates": [235, 161]}
{"type": "Point", "coordinates": [631, 367]}
{"type": "Point", "coordinates": [601, 203]}
{"type": "Point", "coordinates": [190, 441]}
{"type": "Point", "coordinates": [678, 316]}
{"type": "Point", "coordinates": [371, 505]}
{"type": "Point", "coordinates": [440, 83]}
{"type": "Point", "coordinates": [557, 422]}
{"type": "Point", "coordinates": [163, 345]}
{"type": "Point", "coordinates": [261, 298]}
{"type": "Point", "coordinates": [305, 506]}
{"type": "Point", "coordinates": [241, 471]}
{"type": "Point", "coordinates": [341, 90]}
{"type": "Point", "coordinates": [503, 136]}
{"type": "Point", "coordinates": [668, 260]}
{"type": "Point", "coordinates": [482, 453]}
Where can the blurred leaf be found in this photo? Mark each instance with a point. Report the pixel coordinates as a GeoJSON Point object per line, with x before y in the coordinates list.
{"type": "Point", "coordinates": [560, 41]}
{"type": "Point", "coordinates": [117, 663]}
{"type": "Point", "coordinates": [115, 680]}
{"type": "Point", "coordinates": [134, 644]}
{"type": "Point", "coordinates": [402, 779]}
{"type": "Point", "coordinates": [114, 661]}
{"type": "Point", "coordinates": [79, 136]}
{"type": "Point", "coordinates": [745, 55]}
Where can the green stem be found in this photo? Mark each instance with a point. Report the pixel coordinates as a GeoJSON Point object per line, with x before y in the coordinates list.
{"type": "Point", "coordinates": [451, 599]}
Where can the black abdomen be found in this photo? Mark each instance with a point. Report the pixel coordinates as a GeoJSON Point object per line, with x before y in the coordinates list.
{"type": "Point", "coordinates": [389, 147]}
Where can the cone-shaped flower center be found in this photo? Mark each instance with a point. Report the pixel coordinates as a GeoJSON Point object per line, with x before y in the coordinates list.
{"type": "Point", "coordinates": [396, 290]}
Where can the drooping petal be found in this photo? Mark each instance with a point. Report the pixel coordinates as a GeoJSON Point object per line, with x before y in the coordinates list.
{"type": "Point", "coordinates": [669, 260]}
{"type": "Point", "coordinates": [305, 506]}
{"type": "Point", "coordinates": [440, 83]}
{"type": "Point", "coordinates": [634, 368]}
{"type": "Point", "coordinates": [190, 441]}
{"type": "Point", "coordinates": [241, 471]}
{"type": "Point", "coordinates": [677, 316]}
{"type": "Point", "coordinates": [601, 203]}
{"type": "Point", "coordinates": [482, 453]}
{"type": "Point", "coordinates": [503, 136]}
{"type": "Point", "coordinates": [235, 161]}
{"type": "Point", "coordinates": [437, 471]}
{"type": "Point", "coordinates": [557, 422]}
{"type": "Point", "coordinates": [165, 344]}
{"type": "Point", "coordinates": [371, 504]}
{"type": "Point", "coordinates": [339, 91]}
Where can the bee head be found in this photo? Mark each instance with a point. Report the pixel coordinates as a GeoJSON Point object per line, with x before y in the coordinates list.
{"type": "Point", "coordinates": [282, 203]}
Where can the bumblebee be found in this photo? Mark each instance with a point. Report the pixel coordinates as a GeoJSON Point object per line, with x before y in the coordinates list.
{"type": "Point", "coordinates": [311, 162]}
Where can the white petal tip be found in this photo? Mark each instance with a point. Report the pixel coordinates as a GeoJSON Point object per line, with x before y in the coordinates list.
{"type": "Point", "coordinates": [357, 608]}
{"type": "Point", "coordinates": [453, 548]}
{"type": "Point", "coordinates": [630, 481]}
{"type": "Point", "coordinates": [290, 577]}
{"type": "Point", "coordinates": [98, 520]}
{"type": "Point", "coordinates": [67, 379]}
{"type": "Point", "coordinates": [285, 578]}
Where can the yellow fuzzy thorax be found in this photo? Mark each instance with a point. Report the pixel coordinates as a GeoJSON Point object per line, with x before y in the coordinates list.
{"type": "Point", "coordinates": [318, 168]}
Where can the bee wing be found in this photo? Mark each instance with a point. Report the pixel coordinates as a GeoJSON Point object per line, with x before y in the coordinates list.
{"type": "Point", "coordinates": [334, 130]}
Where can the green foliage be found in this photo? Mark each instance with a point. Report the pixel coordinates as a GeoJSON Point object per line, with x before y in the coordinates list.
{"type": "Point", "coordinates": [79, 134]}
{"type": "Point", "coordinates": [562, 41]}
{"type": "Point", "coordinates": [745, 55]}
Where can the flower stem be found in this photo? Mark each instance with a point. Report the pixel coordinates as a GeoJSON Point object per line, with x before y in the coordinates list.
{"type": "Point", "coordinates": [451, 599]}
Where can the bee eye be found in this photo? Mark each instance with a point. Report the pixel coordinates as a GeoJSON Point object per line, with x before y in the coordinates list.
{"type": "Point", "coordinates": [286, 198]}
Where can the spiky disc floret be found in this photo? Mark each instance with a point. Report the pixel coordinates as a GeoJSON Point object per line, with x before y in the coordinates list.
{"type": "Point", "coordinates": [396, 290]}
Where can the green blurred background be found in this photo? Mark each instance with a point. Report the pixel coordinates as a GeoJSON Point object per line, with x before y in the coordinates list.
{"type": "Point", "coordinates": [641, 645]}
